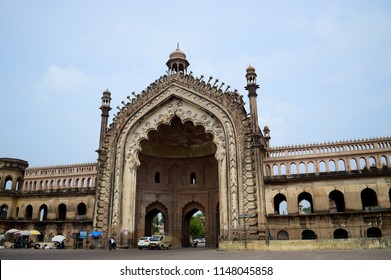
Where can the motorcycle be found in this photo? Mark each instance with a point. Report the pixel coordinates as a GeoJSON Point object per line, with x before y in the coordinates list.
{"type": "Point", "coordinates": [112, 245]}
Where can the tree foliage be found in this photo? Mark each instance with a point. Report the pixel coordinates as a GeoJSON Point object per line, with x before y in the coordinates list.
{"type": "Point", "coordinates": [197, 225]}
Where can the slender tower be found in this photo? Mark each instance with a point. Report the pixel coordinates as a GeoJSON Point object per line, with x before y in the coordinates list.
{"type": "Point", "coordinates": [257, 144]}
{"type": "Point", "coordinates": [105, 108]}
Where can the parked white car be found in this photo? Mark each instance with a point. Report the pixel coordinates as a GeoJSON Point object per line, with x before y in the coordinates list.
{"type": "Point", "coordinates": [143, 242]}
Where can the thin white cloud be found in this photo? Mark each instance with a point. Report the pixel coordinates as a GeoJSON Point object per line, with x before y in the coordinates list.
{"type": "Point", "coordinates": [60, 79]}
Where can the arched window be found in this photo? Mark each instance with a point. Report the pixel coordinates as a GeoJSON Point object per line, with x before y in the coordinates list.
{"type": "Point", "coordinates": [373, 232]}
{"type": "Point", "coordinates": [43, 212]}
{"type": "Point", "coordinates": [18, 184]}
{"type": "Point", "coordinates": [322, 166]}
{"type": "Point", "coordinates": [311, 167]}
{"type": "Point", "coordinates": [280, 204]}
{"type": "Point", "coordinates": [368, 198]}
{"type": "Point", "coordinates": [363, 163]}
{"type": "Point", "coordinates": [3, 211]}
{"type": "Point", "coordinates": [302, 168]}
{"type": "Point", "coordinates": [372, 162]}
{"type": "Point", "coordinates": [8, 183]}
{"type": "Point", "coordinates": [282, 235]}
{"type": "Point", "coordinates": [337, 201]}
{"type": "Point", "coordinates": [81, 209]}
{"type": "Point", "coordinates": [275, 170]}
{"type": "Point", "coordinates": [340, 234]}
{"type": "Point", "coordinates": [383, 161]}
{"type": "Point", "coordinates": [341, 165]}
{"type": "Point", "coordinates": [193, 178]}
{"type": "Point", "coordinates": [332, 166]}
{"type": "Point", "coordinates": [353, 164]}
{"type": "Point", "coordinates": [157, 177]}
{"type": "Point", "coordinates": [283, 169]}
{"type": "Point", "coordinates": [293, 168]}
{"type": "Point", "coordinates": [29, 212]}
{"type": "Point", "coordinates": [308, 234]}
{"type": "Point", "coordinates": [62, 211]}
{"type": "Point", "coordinates": [305, 203]}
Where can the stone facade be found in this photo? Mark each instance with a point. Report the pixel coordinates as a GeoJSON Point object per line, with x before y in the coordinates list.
{"type": "Point", "coordinates": [187, 144]}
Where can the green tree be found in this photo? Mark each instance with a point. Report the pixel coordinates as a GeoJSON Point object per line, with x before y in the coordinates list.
{"type": "Point", "coordinates": [197, 225]}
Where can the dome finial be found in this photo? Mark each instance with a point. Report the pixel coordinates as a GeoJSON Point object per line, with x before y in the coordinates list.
{"type": "Point", "coordinates": [177, 62]}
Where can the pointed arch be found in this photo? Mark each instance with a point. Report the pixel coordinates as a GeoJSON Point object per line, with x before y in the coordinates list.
{"type": "Point", "coordinates": [151, 211]}
{"type": "Point", "coordinates": [337, 201]}
{"type": "Point", "coordinates": [368, 198]}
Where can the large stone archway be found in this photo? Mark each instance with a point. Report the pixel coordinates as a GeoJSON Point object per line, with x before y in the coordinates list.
{"type": "Point", "coordinates": [175, 102]}
{"type": "Point", "coordinates": [130, 163]}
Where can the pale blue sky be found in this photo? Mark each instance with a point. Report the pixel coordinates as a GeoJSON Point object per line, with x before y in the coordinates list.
{"type": "Point", "coordinates": [324, 67]}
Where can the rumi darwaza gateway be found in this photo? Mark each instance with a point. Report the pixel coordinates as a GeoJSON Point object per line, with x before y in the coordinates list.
{"type": "Point", "coordinates": [187, 144]}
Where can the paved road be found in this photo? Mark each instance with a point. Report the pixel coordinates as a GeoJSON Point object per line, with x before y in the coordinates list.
{"type": "Point", "coordinates": [191, 254]}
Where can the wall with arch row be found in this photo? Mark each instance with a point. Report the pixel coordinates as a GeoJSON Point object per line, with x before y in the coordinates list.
{"type": "Point", "coordinates": [333, 147]}
{"type": "Point", "coordinates": [62, 177]}
{"type": "Point", "coordinates": [44, 212]}
{"type": "Point", "coordinates": [354, 157]}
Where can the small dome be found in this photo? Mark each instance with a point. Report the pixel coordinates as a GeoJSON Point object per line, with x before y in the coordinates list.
{"type": "Point", "coordinates": [250, 69]}
{"type": "Point", "coordinates": [106, 92]}
{"type": "Point", "coordinates": [178, 54]}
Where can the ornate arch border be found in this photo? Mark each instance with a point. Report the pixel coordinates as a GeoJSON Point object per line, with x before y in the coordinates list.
{"type": "Point", "coordinates": [188, 105]}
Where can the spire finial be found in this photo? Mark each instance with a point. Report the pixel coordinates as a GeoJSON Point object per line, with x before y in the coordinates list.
{"type": "Point", "coordinates": [177, 45]}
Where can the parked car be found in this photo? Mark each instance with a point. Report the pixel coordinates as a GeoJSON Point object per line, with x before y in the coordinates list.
{"type": "Point", "coordinates": [160, 242]}
{"type": "Point", "coordinates": [143, 242]}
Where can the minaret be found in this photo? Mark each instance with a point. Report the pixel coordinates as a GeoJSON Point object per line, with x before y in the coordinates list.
{"type": "Point", "coordinates": [177, 62]}
{"type": "Point", "coordinates": [252, 87]}
{"type": "Point", "coordinates": [106, 98]}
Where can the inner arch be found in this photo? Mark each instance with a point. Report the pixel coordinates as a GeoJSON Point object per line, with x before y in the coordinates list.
{"type": "Point", "coordinates": [178, 140]}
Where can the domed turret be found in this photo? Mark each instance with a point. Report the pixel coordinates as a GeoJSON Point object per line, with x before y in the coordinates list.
{"type": "Point", "coordinates": [177, 62]}
{"type": "Point", "coordinates": [251, 75]}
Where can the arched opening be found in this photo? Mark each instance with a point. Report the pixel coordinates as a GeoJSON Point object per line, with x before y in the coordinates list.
{"type": "Point", "coordinates": [157, 177]}
{"type": "Point", "coordinates": [280, 204]}
{"type": "Point", "coordinates": [305, 203]}
{"type": "Point", "coordinates": [43, 212]}
{"type": "Point", "coordinates": [340, 234]}
{"type": "Point", "coordinates": [374, 232]}
{"type": "Point", "coordinates": [308, 234]}
{"type": "Point", "coordinates": [337, 201]}
{"type": "Point", "coordinates": [8, 183]}
{"type": "Point", "coordinates": [62, 211]}
{"type": "Point", "coordinates": [3, 212]}
{"type": "Point", "coordinates": [183, 154]}
{"type": "Point", "coordinates": [29, 212]}
{"type": "Point", "coordinates": [353, 164]}
{"type": "Point", "coordinates": [81, 209]}
{"type": "Point", "coordinates": [368, 198]}
{"type": "Point", "coordinates": [156, 220]}
{"type": "Point", "coordinates": [193, 223]}
{"type": "Point", "coordinates": [154, 223]}
{"type": "Point", "coordinates": [322, 166]}
{"type": "Point", "coordinates": [282, 235]}
{"type": "Point", "coordinates": [193, 178]}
